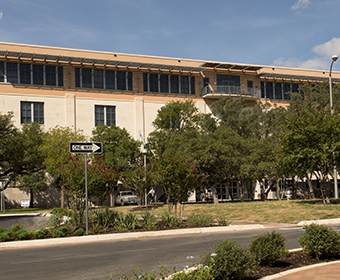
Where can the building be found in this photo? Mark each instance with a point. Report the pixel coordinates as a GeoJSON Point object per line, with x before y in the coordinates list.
{"type": "Point", "coordinates": [81, 88]}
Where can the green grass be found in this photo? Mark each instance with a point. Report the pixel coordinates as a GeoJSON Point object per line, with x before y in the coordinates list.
{"type": "Point", "coordinates": [273, 211]}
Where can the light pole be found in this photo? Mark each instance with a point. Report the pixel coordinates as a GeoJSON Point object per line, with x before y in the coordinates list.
{"type": "Point", "coordinates": [144, 152]}
{"type": "Point", "coordinates": [334, 58]}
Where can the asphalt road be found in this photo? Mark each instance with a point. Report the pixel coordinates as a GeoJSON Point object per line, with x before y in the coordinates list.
{"type": "Point", "coordinates": [99, 260]}
{"type": "Point", "coordinates": [28, 221]}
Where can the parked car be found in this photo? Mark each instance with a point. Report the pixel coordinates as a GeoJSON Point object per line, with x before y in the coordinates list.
{"type": "Point", "coordinates": [125, 198]}
{"type": "Point", "coordinates": [299, 194]}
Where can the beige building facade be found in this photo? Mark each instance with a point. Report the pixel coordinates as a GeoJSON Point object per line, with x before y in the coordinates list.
{"type": "Point", "coordinates": [81, 88]}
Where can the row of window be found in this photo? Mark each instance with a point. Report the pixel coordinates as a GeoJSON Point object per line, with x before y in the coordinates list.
{"type": "Point", "coordinates": [168, 83]}
{"type": "Point", "coordinates": [103, 79]}
{"type": "Point", "coordinates": [278, 90]}
{"type": "Point", "coordinates": [31, 74]}
{"type": "Point", "coordinates": [34, 112]}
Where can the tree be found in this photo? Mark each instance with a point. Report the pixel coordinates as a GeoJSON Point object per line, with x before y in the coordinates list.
{"type": "Point", "coordinates": [119, 148]}
{"type": "Point", "coordinates": [20, 155]}
{"type": "Point", "coordinates": [98, 177]}
{"type": "Point", "coordinates": [177, 176]}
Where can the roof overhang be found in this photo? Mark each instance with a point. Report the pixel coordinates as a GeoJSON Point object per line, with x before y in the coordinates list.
{"type": "Point", "coordinates": [290, 77]}
{"type": "Point", "coordinates": [99, 62]}
{"type": "Point", "coordinates": [230, 66]}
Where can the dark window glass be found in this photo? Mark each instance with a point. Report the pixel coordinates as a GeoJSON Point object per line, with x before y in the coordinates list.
{"type": "Point", "coordinates": [38, 112]}
{"type": "Point", "coordinates": [77, 73]}
{"type": "Point", "coordinates": [184, 84]}
{"type": "Point", "coordinates": [105, 115]}
{"type": "Point", "coordinates": [164, 83]}
{"type": "Point", "coordinates": [2, 72]}
{"type": "Point", "coordinates": [110, 79]}
{"type": "Point", "coordinates": [26, 112]}
{"type": "Point", "coordinates": [286, 89]}
{"type": "Point", "coordinates": [99, 114]}
{"type": "Point", "coordinates": [153, 82]}
{"type": "Point", "coordinates": [129, 81]}
{"type": "Point", "coordinates": [38, 74]}
{"type": "Point", "coordinates": [228, 80]}
{"type": "Point", "coordinates": [25, 74]}
{"type": "Point", "coordinates": [262, 90]}
{"type": "Point", "coordinates": [192, 81]}
{"type": "Point", "coordinates": [60, 76]}
{"type": "Point", "coordinates": [174, 81]}
{"type": "Point", "coordinates": [87, 78]}
{"type": "Point", "coordinates": [98, 78]}
{"type": "Point", "coordinates": [12, 72]}
{"type": "Point", "coordinates": [269, 90]}
{"type": "Point", "coordinates": [145, 82]}
{"type": "Point", "coordinates": [278, 91]}
{"type": "Point", "coordinates": [295, 88]}
{"type": "Point", "coordinates": [121, 80]}
{"type": "Point", "coordinates": [50, 75]}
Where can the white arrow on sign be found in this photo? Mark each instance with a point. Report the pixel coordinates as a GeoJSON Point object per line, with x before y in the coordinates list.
{"type": "Point", "coordinates": [77, 147]}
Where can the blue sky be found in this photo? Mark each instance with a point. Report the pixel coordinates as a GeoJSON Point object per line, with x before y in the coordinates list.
{"type": "Point", "coordinates": [293, 33]}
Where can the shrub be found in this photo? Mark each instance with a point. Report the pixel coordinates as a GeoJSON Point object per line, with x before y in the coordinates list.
{"type": "Point", "coordinates": [41, 233]}
{"type": "Point", "coordinates": [268, 248]}
{"type": "Point", "coordinates": [105, 217]}
{"type": "Point", "coordinates": [204, 220]}
{"type": "Point", "coordinates": [130, 221]}
{"type": "Point", "coordinates": [23, 234]}
{"type": "Point", "coordinates": [5, 235]}
{"type": "Point", "coordinates": [15, 229]}
{"type": "Point", "coordinates": [57, 217]}
{"type": "Point", "coordinates": [60, 232]}
{"type": "Point", "coordinates": [229, 261]}
{"type": "Point", "coordinates": [320, 240]}
{"type": "Point", "coordinates": [79, 232]}
{"type": "Point", "coordinates": [223, 221]}
{"type": "Point", "coordinates": [149, 220]}
{"type": "Point", "coordinates": [170, 220]}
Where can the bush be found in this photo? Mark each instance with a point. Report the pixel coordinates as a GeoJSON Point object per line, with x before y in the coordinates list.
{"type": "Point", "coordinates": [130, 221]}
{"type": "Point", "coordinates": [170, 220]}
{"type": "Point", "coordinates": [60, 232]}
{"type": "Point", "coordinates": [57, 217]}
{"type": "Point", "coordinates": [268, 248]}
{"type": "Point", "coordinates": [41, 233]}
{"type": "Point", "coordinates": [149, 220]}
{"type": "Point", "coordinates": [229, 261]}
{"type": "Point", "coordinates": [105, 217]}
{"type": "Point", "coordinates": [23, 234]}
{"type": "Point", "coordinates": [79, 232]}
{"type": "Point", "coordinates": [320, 240]}
{"type": "Point", "coordinates": [15, 229]}
{"type": "Point", "coordinates": [204, 220]}
{"type": "Point", "coordinates": [5, 235]}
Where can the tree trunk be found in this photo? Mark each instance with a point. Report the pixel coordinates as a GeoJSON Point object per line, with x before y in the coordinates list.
{"type": "Point", "coordinates": [310, 186]}
{"type": "Point", "coordinates": [241, 190]}
{"type": "Point", "coordinates": [214, 194]}
{"type": "Point", "coordinates": [31, 199]}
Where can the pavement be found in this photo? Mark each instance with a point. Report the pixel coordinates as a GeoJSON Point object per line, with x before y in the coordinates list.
{"type": "Point", "coordinates": [330, 270]}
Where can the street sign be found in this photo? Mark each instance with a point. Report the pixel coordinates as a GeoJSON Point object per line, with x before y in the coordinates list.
{"type": "Point", "coordinates": [84, 147]}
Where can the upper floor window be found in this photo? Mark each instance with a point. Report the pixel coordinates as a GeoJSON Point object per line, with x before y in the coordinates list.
{"type": "Point", "coordinates": [278, 90]}
{"type": "Point", "coordinates": [103, 79]}
{"type": "Point", "coordinates": [31, 74]}
{"type": "Point", "coordinates": [105, 115]}
{"type": "Point", "coordinates": [32, 112]}
{"type": "Point", "coordinates": [168, 83]}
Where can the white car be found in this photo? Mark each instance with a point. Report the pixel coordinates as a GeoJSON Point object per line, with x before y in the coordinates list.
{"type": "Point", "coordinates": [125, 198]}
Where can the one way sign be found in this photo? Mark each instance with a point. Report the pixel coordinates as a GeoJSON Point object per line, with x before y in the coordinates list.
{"type": "Point", "coordinates": [83, 147]}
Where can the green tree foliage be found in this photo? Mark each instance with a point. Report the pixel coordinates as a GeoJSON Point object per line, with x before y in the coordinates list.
{"type": "Point", "coordinates": [119, 148]}
{"type": "Point", "coordinates": [177, 176]}
{"type": "Point", "coordinates": [98, 176]}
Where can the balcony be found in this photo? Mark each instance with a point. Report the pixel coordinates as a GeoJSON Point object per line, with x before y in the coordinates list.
{"type": "Point", "coordinates": [218, 92]}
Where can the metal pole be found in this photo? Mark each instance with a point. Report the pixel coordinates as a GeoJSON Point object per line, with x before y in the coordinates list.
{"type": "Point", "coordinates": [146, 196]}
{"type": "Point", "coordinates": [2, 197]}
{"type": "Point", "coordinates": [334, 58]}
{"type": "Point", "coordinates": [86, 197]}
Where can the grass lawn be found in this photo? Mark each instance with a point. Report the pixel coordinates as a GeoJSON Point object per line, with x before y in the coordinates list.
{"type": "Point", "coordinates": [274, 211]}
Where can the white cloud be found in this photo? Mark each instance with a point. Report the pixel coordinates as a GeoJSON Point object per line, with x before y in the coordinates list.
{"type": "Point", "coordinates": [301, 5]}
{"type": "Point", "coordinates": [1, 14]}
{"type": "Point", "coordinates": [329, 48]}
{"type": "Point", "coordinates": [316, 63]}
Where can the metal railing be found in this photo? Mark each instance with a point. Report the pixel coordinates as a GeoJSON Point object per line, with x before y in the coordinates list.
{"type": "Point", "coordinates": [231, 91]}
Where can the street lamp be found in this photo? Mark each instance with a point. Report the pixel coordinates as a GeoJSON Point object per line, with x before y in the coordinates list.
{"type": "Point", "coordinates": [144, 152]}
{"type": "Point", "coordinates": [334, 58]}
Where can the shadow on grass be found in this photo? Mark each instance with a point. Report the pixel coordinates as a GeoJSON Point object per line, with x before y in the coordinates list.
{"type": "Point", "coordinates": [317, 201]}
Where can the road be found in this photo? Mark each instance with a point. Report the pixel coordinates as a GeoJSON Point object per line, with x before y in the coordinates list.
{"type": "Point", "coordinates": [99, 260]}
{"type": "Point", "coordinates": [28, 221]}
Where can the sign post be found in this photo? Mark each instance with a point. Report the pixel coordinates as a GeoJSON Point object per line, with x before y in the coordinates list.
{"type": "Point", "coordinates": [85, 148]}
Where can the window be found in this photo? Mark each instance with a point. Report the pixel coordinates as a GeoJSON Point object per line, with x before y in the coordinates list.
{"type": "Point", "coordinates": [26, 73]}
{"type": "Point", "coordinates": [168, 83]}
{"type": "Point", "coordinates": [105, 115]}
{"type": "Point", "coordinates": [103, 79]}
{"type": "Point", "coordinates": [32, 112]}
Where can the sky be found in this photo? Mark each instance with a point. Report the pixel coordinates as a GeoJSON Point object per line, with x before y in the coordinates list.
{"type": "Point", "coordinates": [289, 33]}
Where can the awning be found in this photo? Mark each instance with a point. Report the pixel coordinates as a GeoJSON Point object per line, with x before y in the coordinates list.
{"type": "Point", "coordinates": [230, 66]}
{"type": "Point", "coordinates": [297, 77]}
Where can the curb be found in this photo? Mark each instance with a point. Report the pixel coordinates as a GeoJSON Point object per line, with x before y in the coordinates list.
{"type": "Point", "coordinates": [23, 215]}
{"type": "Point", "coordinates": [122, 236]}
{"type": "Point", "coordinates": [320, 222]}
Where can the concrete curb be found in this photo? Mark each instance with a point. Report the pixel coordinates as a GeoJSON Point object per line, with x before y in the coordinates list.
{"type": "Point", "coordinates": [23, 215]}
{"type": "Point", "coordinates": [122, 236]}
{"type": "Point", "coordinates": [320, 222]}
